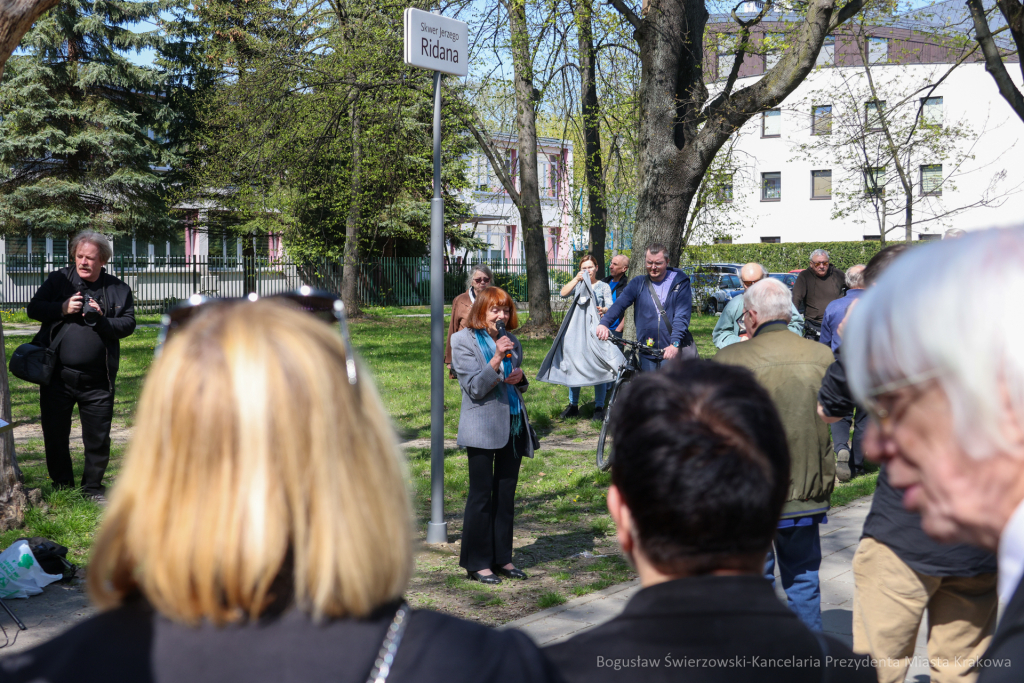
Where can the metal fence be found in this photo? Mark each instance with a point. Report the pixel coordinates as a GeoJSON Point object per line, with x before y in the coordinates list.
{"type": "Point", "coordinates": [158, 283]}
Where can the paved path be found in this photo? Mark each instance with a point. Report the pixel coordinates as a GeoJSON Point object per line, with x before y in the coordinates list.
{"type": "Point", "coordinates": [839, 540]}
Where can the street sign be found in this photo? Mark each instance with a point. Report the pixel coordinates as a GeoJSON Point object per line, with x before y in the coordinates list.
{"type": "Point", "coordinates": [436, 43]}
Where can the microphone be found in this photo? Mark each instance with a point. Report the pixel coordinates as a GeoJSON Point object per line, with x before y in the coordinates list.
{"type": "Point", "coordinates": [502, 333]}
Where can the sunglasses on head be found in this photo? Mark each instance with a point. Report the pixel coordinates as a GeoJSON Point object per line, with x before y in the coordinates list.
{"type": "Point", "coordinates": [319, 303]}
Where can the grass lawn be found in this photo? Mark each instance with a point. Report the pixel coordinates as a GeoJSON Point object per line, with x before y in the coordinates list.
{"type": "Point", "coordinates": [564, 536]}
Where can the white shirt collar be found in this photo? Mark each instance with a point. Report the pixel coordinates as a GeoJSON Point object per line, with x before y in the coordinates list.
{"type": "Point", "coordinates": [472, 294]}
{"type": "Point", "coordinates": [1011, 554]}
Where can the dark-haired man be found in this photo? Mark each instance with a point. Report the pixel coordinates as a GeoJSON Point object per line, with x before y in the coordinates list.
{"type": "Point", "coordinates": [663, 301]}
{"type": "Point", "coordinates": [700, 475]}
{"type": "Point", "coordinates": [791, 368]}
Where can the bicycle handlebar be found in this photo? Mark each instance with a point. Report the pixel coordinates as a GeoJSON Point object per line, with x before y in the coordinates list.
{"type": "Point", "coordinates": [645, 350]}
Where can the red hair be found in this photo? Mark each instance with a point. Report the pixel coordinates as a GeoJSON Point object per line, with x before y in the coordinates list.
{"type": "Point", "coordinates": [492, 296]}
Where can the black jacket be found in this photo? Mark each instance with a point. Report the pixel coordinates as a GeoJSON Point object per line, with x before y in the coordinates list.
{"type": "Point", "coordinates": [118, 319]}
{"type": "Point", "coordinates": [1004, 658]}
{"type": "Point", "coordinates": [730, 629]}
{"type": "Point", "coordinates": [132, 643]}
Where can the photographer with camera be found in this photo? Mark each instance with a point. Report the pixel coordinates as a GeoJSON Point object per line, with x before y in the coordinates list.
{"type": "Point", "coordinates": [97, 311]}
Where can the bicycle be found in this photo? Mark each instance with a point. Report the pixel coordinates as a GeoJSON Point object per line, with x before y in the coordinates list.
{"type": "Point", "coordinates": [632, 350]}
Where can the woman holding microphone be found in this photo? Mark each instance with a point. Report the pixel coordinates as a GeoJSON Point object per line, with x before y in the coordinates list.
{"type": "Point", "coordinates": [494, 429]}
{"type": "Point", "coordinates": [603, 299]}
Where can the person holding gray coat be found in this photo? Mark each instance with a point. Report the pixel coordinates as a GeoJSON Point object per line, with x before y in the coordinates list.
{"type": "Point", "coordinates": [493, 428]}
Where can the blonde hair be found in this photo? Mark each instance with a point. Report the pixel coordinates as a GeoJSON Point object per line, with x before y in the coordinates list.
{"type": "Point", "coordinates": [256, 474]}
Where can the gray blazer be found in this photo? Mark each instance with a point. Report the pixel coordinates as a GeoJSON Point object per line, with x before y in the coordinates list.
{"type": "Point", "coordinates": [484, 418]}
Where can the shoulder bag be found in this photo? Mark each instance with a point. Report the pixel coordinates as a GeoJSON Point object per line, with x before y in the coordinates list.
{"type": "Point", "coordinates": [688, 348]}
{"type": "Point", "coordinates": [35, 364]}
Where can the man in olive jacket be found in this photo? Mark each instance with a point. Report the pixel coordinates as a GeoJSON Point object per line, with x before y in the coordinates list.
{"type": "Point", "coordinates": [791, 369]}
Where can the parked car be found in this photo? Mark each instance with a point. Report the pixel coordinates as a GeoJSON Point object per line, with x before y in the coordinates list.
{"type": "Point", "coordinates": [726, 268]}
{"type": "Point", "coordinates": [712, 291]}
{"type": "Point", "coordinates": [788, 279]}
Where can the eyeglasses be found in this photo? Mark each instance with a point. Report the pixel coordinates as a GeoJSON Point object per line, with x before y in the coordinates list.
{"type": "Point", "coordinates": [819, 263]}
{"type": "Point", "coordinates": [884, 416]}
{"type": "Point", "coordinates": [481, 280]}
{"type": "Point", "coordinates": [321, 304]}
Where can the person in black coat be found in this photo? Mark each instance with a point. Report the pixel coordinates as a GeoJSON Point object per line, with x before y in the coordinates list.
{"type": "Point", "coordinates": [261, 529]}
{"type": "Point", "coordinates": [89, 311]}
{"type": "Point", "coordinates": [701, 472]}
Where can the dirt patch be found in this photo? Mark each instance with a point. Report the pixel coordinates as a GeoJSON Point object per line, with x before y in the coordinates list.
{"type": "Point", "coordinates": [28, 431]}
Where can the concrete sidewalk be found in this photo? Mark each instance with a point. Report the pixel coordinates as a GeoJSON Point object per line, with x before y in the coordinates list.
{"type": "Point", "coordinates": [839, 540]}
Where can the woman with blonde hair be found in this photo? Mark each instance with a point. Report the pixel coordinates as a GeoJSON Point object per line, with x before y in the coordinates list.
{"type": "Point", "coordinates": [261, 528]}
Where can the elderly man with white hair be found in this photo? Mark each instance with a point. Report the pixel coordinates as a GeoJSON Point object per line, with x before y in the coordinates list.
{"type": "Point", "coordinates": [815, 288]}
{"type": "Point", "coordinates": [948, 407]}
{"type": "Point", "coordinates": [791, 369]}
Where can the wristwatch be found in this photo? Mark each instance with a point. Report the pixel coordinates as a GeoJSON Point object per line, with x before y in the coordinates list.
{"type": "Point", "coordinates": [675, 344]}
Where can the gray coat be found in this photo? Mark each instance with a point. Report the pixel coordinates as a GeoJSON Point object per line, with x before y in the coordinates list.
{"type": "Point", "coordinates": [484, 418]}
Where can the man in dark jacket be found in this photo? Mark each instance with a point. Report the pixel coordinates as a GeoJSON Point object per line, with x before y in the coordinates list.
{"type": "Point", "coordinates": [89, 310]}
{"type": "Point", "coordinates": [816, 287]}
{"type": "Point", "coordinates": [791, 368]}
{"type": "Point", "coordinates": [699, 478]}
{"type": "Point", "coordinates": [663, 323]}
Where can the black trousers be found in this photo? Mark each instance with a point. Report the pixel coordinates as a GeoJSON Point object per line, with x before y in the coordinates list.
{"type": "Point", "coordinates": [487, 523]}
{"type": "Point", "coordinates": [841, 436]}
{"type": "Point", "coordinates": [96, 408]}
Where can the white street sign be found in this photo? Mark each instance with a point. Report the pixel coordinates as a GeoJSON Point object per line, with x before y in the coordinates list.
{"type": "Point", "coordinates": [436, 43]}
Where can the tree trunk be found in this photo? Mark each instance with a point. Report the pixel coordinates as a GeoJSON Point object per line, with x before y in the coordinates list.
{"type": "Point", "coordinates": [350, 274]}
{"type": "Point", "coordinates": [532, 219]}
{"type": "Point", "coordinates": [13, 499]}
{"type": "Point", "coordinates": [16, 18]}
{"type": "Point", "coordinates": [681, 129]}
{"type": "Point", "coordinates": [598, 224]}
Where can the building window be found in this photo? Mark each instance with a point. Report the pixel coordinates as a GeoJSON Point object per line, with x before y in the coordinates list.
{"type": "Point", "coordinates": [771, 123]}
{"type": "Point", "coordinates": [771, 240]}
{"type": "Point", "coordinates": [549, 181]}
{"type": "Point", "coordinates": [874, 181]}
{"type": "Point", "coordinates": [827, 55]}
{"type": "Point", "coordinates": [723, 240]}
{"type": "Point", "coordinates": [723, 187]}
{"type": "Point", "coordinates": [931, 111]}
{"type": "Point", "coordinates": [872, 238]}
{"type": "Point", "coordinates": [725, 62]}
{"type": "Point", "coordinates": [821, 119]}
{"type": "Point", "coordinates": [773, 44]}
{"type": "Point", "coordinates": [225, 248]}
{"type": "Point", "coordinates": [928, 237]}
{"type": "Point", "coordinates": [771, 187]}
{"type": "Point", "coordinates": [499, 239]}
{"type": "Point", "coordinates": [878, 50]}
{"type": "Point", "coordinates": [482, 173]}
{"type": "Point", "coordinates": [873, 113]}
{"type": "Point", "coordinates": [931, 180]}
{"type": "Point", "coordinates": [821, 184]}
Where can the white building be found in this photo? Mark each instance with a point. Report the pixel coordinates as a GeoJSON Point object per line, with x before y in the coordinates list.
{"type": "Point", "coordinates": [791, 177]}
{"type": "Point", "coordinates": [496, 219]}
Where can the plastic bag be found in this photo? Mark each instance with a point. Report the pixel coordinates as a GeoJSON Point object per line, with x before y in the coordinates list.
{"type": "Point", "coordinates": [20, 573]}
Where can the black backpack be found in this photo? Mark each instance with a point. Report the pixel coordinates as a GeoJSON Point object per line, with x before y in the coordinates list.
{"type": "Point", "coordinates": [51, 556]}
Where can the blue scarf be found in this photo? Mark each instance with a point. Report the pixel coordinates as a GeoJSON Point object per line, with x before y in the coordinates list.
{"type": "Point", "coordinates": [514, 402]}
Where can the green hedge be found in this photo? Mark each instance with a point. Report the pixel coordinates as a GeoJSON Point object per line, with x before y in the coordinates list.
{"type": "Point", "coordinates": [777, 258]}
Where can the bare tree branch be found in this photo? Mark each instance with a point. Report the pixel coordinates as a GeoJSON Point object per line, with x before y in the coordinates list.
{"type": "Point", "coordinates": [993, 62]}
{"type": "Point", "coordinates": [16, 18]}
{"type": "Point", "coordinates": [626, 12]}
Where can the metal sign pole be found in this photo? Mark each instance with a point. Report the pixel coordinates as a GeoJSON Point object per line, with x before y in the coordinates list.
{"type": "Point", "coordinates": [437, 528]}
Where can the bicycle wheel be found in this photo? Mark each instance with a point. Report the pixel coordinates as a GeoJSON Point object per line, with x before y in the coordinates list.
{"type": "Point", "coordinates": [604, 441]}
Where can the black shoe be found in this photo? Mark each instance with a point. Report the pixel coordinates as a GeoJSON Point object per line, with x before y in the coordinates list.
{"type": "Point", "coordinates": [571, 411]}
{"type": "Point", "coordinates": [513, 573]}
{"type": "Point", "coordinates": [484, 578]}
{"type": "Point", "coordinates": [98, 498]}
{"type": "Point", "coordinates": [598, 414]}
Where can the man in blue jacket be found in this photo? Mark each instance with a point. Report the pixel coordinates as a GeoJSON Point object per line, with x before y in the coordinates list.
{"type": "Point", "coordinates": [664, 322]}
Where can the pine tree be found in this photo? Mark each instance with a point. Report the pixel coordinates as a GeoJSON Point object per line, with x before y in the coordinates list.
{"type": "Point", "coordinates": [82, 129]}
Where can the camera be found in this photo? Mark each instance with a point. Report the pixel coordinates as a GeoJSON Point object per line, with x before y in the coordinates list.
{"type": "Point", "coordinates": [91, 315]}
